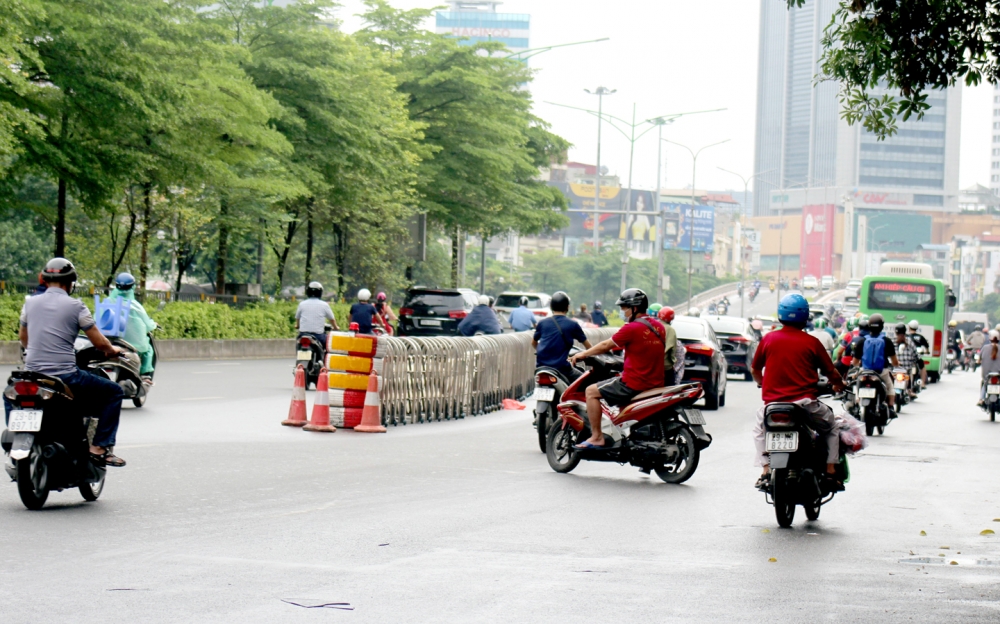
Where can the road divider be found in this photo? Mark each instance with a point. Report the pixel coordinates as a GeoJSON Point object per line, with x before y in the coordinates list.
{"type": "Point", "coordinates": [297, 410]}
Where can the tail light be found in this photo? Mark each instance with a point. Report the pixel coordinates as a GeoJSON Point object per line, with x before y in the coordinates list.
{"type": "Point", "coordinates": [406, 311]}
{"type": "Point", "coordinates": [900, 376]}
{"type": "Point", "coordinates": [545, 379]}
{"type": "Point", "coordinates": [740, 340]}
{"type": "Point", "coordinates": [305, 342]}
{"type": "Point", "coordinates": [457, 314]}
{"type": "Point", "coordinates": [779, 418]}
{"type": "Point", "coordinates": [539, 313]}
{"type": "Point", "coordinates": [936, 352]}
{"type": "Point", "coordinates": [701, 348]}
{"type": "Point", "coordinates": [27, 389]}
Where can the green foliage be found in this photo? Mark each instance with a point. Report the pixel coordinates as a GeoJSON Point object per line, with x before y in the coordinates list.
{"type": "Point", "coordinates": [990, 304]}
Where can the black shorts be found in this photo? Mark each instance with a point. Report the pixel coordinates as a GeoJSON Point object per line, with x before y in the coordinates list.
{"type": "Point", "coordinates": [617, 393]}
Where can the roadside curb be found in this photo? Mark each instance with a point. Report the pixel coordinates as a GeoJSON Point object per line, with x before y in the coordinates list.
{"type": "Point", "coordinates": [169, 350]}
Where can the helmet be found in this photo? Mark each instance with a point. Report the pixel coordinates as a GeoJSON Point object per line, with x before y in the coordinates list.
{"type": "Point", "coordinates": [952, 324]}
{"type": "Point", "coordinates": [314, 290]}
{"type": "Point", "coordinates": [863, 324]}
{"type": "Point", "coordinates": [484, 300]}
{"type": "Point", "coordinates": [695, 311]}
{"type": "Point", "coordinates": [852, 324]}
{"type": "Point", "coordinates": [364, 294]}
{"type": "Point", "coordinates": [559, 302]}
{"type": "Point", "coordinates": [793, 308]}
{"type": "Point", "coordinates": [523, 301]}
{"type": "Point", "coordinates": [124, 281]}
{"type": "Point", "coordinates": [900, 328]}
{"type": "Point", "coordinates": [491, 301]}
{"type": "Point", "coordinates": [59, 270]}
{"type": "Point", "coordinates": [633, 298]}
{"type": "Point", "coordinates": [597, 305]}
{"type": "Point", "coordinates": [380, 297]}
{"type": "Point", "coordinates": [654, 308]}
{"type": "Point", "coordinates": [914, 324]}
{"type": "Point", "coordinates": [994, 335]}
{"type": "Point", "coordinates": [820, 323]}
{"type": "Point", "coordinates": [666, 314]}
{"type": "Point", "coordinates": [876, 323]}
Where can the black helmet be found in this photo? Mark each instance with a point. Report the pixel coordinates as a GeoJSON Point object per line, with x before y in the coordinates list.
{"type": "Point", "coordinates": [491, 301]}
{"type": "Point", "coordinates": [597, 305]}
{"type": "Point", "coordinates": [314, 289]}
{"type": "Point", "coordinates": [633, 298]}
{"type": "Point", "coordinates": [900, 328]}
{"type": "Point", "coordinates": [876, 323]}
{"type": "Point", "coordinates": [59, 270]}
{"type": "Point", "coordinates": [560, 302]}
{"type": "Point", "coordinates": [523, 301]}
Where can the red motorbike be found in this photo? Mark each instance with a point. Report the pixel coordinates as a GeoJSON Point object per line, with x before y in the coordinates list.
{"type": "Point", "coordinates": [658, 431]}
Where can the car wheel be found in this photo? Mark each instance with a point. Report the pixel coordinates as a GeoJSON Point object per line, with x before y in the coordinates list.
{"type": "Point", "coordinates": [712, 398]}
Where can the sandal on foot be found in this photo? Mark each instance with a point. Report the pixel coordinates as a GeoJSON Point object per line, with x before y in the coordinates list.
{"type": "Point", "coordinates": [763, 483]}
{"type": "Point", "coordinates": [107, 458]}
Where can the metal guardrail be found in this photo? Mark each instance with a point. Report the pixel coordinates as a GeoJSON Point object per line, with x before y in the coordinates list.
{"type": "Point", "coordinates": [434, 379]}
{"type": "Point", "coordinates": [699, 299]}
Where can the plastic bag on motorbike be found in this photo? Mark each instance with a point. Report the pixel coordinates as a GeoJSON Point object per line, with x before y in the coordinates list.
{"type": "Point", "coordinates": [852, 434]}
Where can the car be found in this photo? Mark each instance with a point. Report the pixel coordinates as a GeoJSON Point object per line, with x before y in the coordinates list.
{"type": "Point", "coordinates": [817, 310]}
{"type": "Point", "coordinates": [738, 341]}
{"type": "Point", "coordinates": [434, 311]}
{"type": "Point", "coordinates": [853, 290]}
{"type": "Point", "coordinates": [826, 282]}
{"type": "Point", "coordinates": [705, 362]}
{"type": "Point", "coordinates": [809, 282]}
{"type": "Point", "coordinates": [538, 303]}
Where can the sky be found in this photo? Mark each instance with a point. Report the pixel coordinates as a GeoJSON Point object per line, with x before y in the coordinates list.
{"type": "Point", "coordinates": [668, 56]}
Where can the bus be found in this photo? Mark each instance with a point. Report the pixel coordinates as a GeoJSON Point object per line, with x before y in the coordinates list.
{"type": "Point", "coordinates": [904, 291]}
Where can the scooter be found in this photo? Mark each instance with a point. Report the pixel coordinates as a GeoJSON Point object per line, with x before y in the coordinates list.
{"type": "Point", "coordinates": [312, 355]}
{"type": "Point", "coordinates": [992, 395]}
{"type": "Point", "coordinates": [968, 359]}
{"type": "Point", "coordinates": [658, 431]}
{"type": "Point", "coordinates": [873, 410]}
{"type": "Point", "coordinates": [952, 361]}
{"type": "Point", "coordinates": [123, 370]}
{"type": "Point", "coordinates": [901, 386]}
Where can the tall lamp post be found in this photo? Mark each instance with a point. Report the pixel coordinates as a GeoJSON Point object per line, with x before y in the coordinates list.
{"type": "Point", "coordinates": [600, 92]}
{"type": "Point", "coordinates": [694, 178]}
{"type": "Point", "coordinates": [746, 185]}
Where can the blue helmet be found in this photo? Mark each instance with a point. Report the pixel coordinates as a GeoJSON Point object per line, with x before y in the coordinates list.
{"type": "Point", "coordinates": [793, 308]}
{"type": "Point", "coordinates": [124, 281]}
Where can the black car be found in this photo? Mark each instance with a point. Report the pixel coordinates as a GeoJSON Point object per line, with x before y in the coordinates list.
{"type": "Point", "coordinates": [434, 311]}
{"type": "Point", "coordinates": [704, 362]}
{"type": "Point", "coordinates": [738, 341]}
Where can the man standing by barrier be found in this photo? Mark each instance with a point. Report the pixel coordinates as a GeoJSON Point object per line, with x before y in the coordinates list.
{"type": "Point", "coordinates": [554, 338]}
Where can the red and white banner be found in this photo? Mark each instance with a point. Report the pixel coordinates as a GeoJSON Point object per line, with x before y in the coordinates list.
{"type": "Point", "coordinates": [816, 256]}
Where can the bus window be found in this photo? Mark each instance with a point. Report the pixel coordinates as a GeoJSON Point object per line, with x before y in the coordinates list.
{"type": "Point", "coordinates": [904, 296]}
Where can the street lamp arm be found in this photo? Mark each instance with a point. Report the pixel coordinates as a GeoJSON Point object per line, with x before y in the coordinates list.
{"type": "Point", "coordinates": [673, 116]}
{"type": "Point", "coordinates": [535, 51]}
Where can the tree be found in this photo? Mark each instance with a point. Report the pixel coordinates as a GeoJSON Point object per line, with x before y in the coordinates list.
{"type": "Point", "coordinates": [908, 46]}
{"type": "Point", "coordinates": [17, 14]}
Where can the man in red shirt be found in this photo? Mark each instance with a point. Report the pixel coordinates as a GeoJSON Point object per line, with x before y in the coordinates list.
{"type": "Point", "coordinates": [787, 366]}
{"type": "Point", "coordinates": [644, 340]}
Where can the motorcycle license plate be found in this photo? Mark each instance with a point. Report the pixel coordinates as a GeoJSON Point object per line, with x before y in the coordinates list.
{"type": "Point", "coordinates": [304, 355]}
{"type": "Point", "coordinates": [951, 356]}
{"type": "Point", "coordinates": [545, 394]}
{"type": "Point", "coordinates": [429, 323]}
{"type": "Point", "coordinates": [867, 393]}
{"type": "Point", "coordinates": [785, 441]}
{"type": "Point", "coordinates": [900, 385]}
{"type": "Point", "coordinates": [694, 416]}
{"type": "Point", "coordinates": [992, 389]}
{"type": "Point", "coordinates": [25, 420]}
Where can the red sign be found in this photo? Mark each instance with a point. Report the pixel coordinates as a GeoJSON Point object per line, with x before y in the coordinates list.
{"type": "Point", "coordinates": [816, 256]}
{"type": "Point", "coordinates": [898, 287]}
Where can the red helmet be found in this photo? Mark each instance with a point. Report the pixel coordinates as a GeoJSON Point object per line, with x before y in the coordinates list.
{"type": "Point", "coordinates": [666, 314]}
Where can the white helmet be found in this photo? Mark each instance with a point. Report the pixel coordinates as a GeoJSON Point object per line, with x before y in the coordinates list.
{"type": "Point", "coordinates": [914, 324]}
{"type": "Point", "coordinates": [994, 335]}
{"type": "Point", "coordinates": [695, 311]}
{"type": "Point", "coordinates": [484, 300]}
{"type": "Point", "coordinates": [364, 294]}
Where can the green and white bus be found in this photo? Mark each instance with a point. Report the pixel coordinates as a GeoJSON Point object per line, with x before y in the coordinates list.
{"type": "Point", "coordinates": [904, 291]}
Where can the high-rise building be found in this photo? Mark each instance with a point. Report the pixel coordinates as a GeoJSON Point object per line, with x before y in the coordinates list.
{"type": "Point", "coordinates": [995, 145]}
{"type": "Point", "coordinates": [812, 156]}
{"type": "Point", "coordinates": [478, 20]}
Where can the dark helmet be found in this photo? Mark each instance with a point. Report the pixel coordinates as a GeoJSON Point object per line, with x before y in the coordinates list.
{"type": "Point", "coordinates": [633, 298]}
{"type": "Point", "coordinates": [597, 305]}
{"type": "Point", "coordinates": [124, 281]}
{"type": "Point", "coordinates": [523, 301]}
{"type": "Point", "coordinates": [59, 270]}
{"type": "Point", "coordinates": [560, 302]}
{"type": "Point", "coordinates": [864, 325]}
{"type": "Point", "coordinates": [314, 289]}
{"type": "Point", "coordinates": [490, 301]}
{"type": "Point", "coordinates": [900, 328]}
{"type": "Point", "coordinates": [876, 323]}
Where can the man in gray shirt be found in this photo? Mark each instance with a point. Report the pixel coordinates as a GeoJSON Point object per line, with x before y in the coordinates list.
{"type": "Point", "coordinates": [50, 323]}
{"type": "Point", "coordinates": [313, 313]}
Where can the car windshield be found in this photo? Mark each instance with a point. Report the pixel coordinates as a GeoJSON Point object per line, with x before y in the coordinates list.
{"type": "Point", "coordinates": [513, 301]}
{"type": "Point", "coordinates": [689, 330]}
{"type": "Point", "coordinates": [727, 326]}
{"type": "Point", "coordinates": [435, 299]}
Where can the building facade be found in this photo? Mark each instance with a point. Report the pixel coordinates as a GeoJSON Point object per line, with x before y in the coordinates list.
{"type": "Point", "coordinates": [478, 20]}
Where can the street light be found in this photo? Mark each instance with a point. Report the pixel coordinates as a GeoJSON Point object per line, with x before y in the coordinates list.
{"type": "Point", "coordinates": [600, 92]}
{"type": "Point", "coordinates": [536, 51]}
{"type": "Point", "coordinates": [694, 171]}
{"type": "Point", "coordinates": [746, 184]}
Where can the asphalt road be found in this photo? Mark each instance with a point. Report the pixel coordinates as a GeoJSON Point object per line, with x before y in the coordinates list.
{"type": "Point", "coordinates": [222, 515]}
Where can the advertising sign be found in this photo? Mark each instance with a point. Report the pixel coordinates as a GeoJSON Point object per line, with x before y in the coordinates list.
{"type": "Point", "coordinates": [700, 221]}
{"type": "Point", "coordinates": [581, 197]}
{"type": "Point", "coordinates": [643, 222]}
{"type": "Point", "coordinates": [817, 240]}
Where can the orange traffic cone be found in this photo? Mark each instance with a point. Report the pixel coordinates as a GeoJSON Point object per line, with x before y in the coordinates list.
{"type": "Point", "coordinates": [320, 420]}
{"type": "Point", "coordinates": [371, 420]}
{"type": "Point", "coordinates": [297, 411]}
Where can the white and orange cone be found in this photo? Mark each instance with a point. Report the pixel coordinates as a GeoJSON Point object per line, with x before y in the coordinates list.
{"type": "Point", "coordinates": [371, 419]}
{"type": "Point", "coordinates": [320, 420]}
{"type": "Point", "coordinates": [297, 410]}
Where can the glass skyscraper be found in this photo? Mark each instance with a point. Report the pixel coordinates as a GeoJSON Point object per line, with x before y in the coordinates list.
{"type": "Point", "coordinates": [478, 20]}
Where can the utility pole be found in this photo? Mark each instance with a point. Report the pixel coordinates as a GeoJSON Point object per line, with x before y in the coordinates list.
{"type": "Point", "coordinates": [746, 186]}
{"type": "Point", "coordinates": [628, 203]}
{"type": "Point", "coordinates": [600, 92]}
{"type": "Point", "coordinates": [660, 122]}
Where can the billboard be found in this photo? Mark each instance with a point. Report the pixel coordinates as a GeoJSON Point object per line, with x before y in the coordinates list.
{"type": "Point", "coordinates": [817, 240]}
{"type": "Point", "coordinates": [698, 220]}
{"type": "Point", "coordinates": [643, 222]}
{"type": "Point", "coordinates": [581, 224]}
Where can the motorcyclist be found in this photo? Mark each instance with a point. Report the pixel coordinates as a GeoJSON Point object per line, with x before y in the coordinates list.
{"type": "Point", "coordinates": [642, 338]}
{"type": "Point", "coordinates": [584, 315]}
{"type": "Point", "coordinates": [598, 315]}
{"type": "Point", "coordinates": [976, 339]}
{"type": "Point", "coordinates": [695, 311]}
{"type": "Point", "coordinates": [922, 346]}
{"type": "Point", "coordinates": [670, 342]}
{"type": "Point", "coordinates": [139, 324]}
{"type": "Point", "coordinates": [876, 352]}
{"type": "Point", "coordinates": [821, 334]}
{"type": "Point", "coordinates": [49, 325]}
{"type": "Point", "coordinates": [363, 312]}
{"type": "Point", "coordinates": [842, 354]}
{"type": "Point", "coordinates": [554, 338]}
{"type": "Point", "coordinates": [785, 368]}
{"type": "Point", "coordinates": [989, 357]}
{"type": "Point", "coordinates": [521, 318]}
{"type": "Point", "coordinates": [955, 341]}
{"type": "Point", "coordinates": [906, 351]}
{"type": "Point", "coordinates": [385, 312]}
{"type": "Point", "coordinates": [313, 313]}
{"type": "Point", "coordinates": [481, 320]}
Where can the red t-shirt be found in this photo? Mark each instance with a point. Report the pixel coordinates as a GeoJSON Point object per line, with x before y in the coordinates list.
{"type": "Point", "coordinates": [790, 359]}
{"type": "Point", "coordinates": [643, 353]}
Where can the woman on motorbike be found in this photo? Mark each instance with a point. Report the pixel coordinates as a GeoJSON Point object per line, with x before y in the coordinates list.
{"type": "Point", "coordinates": [989, 355]}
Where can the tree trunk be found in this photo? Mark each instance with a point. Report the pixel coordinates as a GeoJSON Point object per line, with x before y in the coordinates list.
{"type": "Point", "coordinates": [454, 258]}
{"type": "Point", "coordinates": [61, 219]}
{"type": "Point", "coordinates": [340, 241]}
{"type": "Point", "coordinates": [286, 246]}
{"type": "Point", "coordinates": [117, 261]}
{"type": "Point", "coordinates": [220, 268]}
{"type": "Point", "coordinates": [309, 246]}
{"type": "Point", "coordinates": [147, 221]}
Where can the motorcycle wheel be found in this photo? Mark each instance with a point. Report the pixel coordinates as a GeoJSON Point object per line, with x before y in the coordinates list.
{"type": "Point", "coordinates": [687, 461]}
{"type": "Point", "coordinates": [27, 474]}
{"type": "Point", "coordinates": [559, 449]}
{"type": "Point", "coordinates": [993, 415]}
{"type": "Point", "coordinates": [92, 491]}
{"type": "Point", "coordinates": [784, 508]}
{"type": "Point", "coordinates": [543, 430]}
{"type": "Point", "coordinates": [869, 429]}
{"type": "Point", "coordinates": [881, 429]}
{"type": "Point", "coordinates": [140, 397]}
{"type": "Point", "coordinates": [812, 511]}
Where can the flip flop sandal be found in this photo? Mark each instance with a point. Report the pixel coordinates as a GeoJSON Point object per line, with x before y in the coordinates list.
{"type": "Point", "coordinates": [107, 459]}
{"type": "Point", "coordinates": [588, 445]}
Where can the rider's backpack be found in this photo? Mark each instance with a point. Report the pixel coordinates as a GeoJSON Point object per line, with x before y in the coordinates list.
{"type": "Point", "coordinates": [873, 357]}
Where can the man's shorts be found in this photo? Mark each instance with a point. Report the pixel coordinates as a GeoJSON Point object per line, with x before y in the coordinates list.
{"type": "Point", "coordinates": [617, 393]}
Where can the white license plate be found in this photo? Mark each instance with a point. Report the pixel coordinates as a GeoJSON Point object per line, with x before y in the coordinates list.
{"type": "Point", "coordinates": [545, 394]}
{"type": "Point", "coordinates": [304, 355]}
{"type": "Point", "coordinates": [900, 385]}
{"type": "Point", "coordinates": [429, 323]}
{"type": "Point", "coordinates": [25, 420]}
{"type": "Point", "coordinates": [782, 441]}
{"type": "Point", "coordinates": [694, 416]}
{"type": "Point", "coordinates": [867, 393]}
{"type": "Point", "coordinates": [991, 389]}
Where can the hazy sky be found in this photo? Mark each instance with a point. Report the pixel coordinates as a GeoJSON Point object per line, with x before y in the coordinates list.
{"type": "Point", "coordinates": [669, 56]}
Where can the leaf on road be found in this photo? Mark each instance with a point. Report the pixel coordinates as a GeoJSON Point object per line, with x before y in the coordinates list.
{"type": "Point", "coordinates": [923, 533]}
{"type": "Point", "coordinates": [772, 560]}
{"type": "Point", "coordinates": [987, 532]}
{"type": "Point", "coordinates": [765, 530]}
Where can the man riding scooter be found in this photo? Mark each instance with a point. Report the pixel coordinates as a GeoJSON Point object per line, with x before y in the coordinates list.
{"type": "Point", "coordinates": [877, 352]}
{"type": "Point", "coordinates": [554, 338]}
{"type": "Point", "coordinates": [139, 324]}
{"type": "Point", "coordinates": [643, 340]}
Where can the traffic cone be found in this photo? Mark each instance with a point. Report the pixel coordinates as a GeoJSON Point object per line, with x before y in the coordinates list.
{"type": "Point", "coordinates": [297, 410]}
{"type": "Point", "coordinates": [320, 420]}
{"type": "Point", "coordinates": [371, 420]}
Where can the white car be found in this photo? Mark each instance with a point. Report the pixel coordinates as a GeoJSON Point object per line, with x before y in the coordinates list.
{"type": "Point", "coordinates": [853, 290]}
{"type": "Point", "coordinates": [809, 282]}
{"type": "Point", "coordinates": [538, 303]}
{"type": "Point", "coordinates": [826, 282]}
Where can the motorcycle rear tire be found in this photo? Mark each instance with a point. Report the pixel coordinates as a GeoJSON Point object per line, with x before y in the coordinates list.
{"type": "Point", "coordinates": [869, 429]}
{"type": "Point", "coordinates": [812, 511]}
{"type": "Point", "coordinates": [881, 430]}
{"type": "Point", "coordinates": [561, 438]}
{"type": "Point", "coordinates": [92, 491]}
{"type": "Point", "coordinates": [543, 430]}
{"type": "Point", "coordinates": [686, 438]}
{"type": "Point", "coordinates": [32, 499]}
{"type": "Point", "coordinates": [140, 397]}
{"type": "Point", "coordinates": [993, 415]}
{"type": "Point", "coordinates": [784, 507]}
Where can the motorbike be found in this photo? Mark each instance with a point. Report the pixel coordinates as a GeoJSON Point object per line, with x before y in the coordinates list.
{"type": "Point", "coordinates": [968, 358]}
{"type": "Point", "coordinates": [952, 359]}
{"type": "Point", "coordinates": [312, 355]}
{"type": "Point", "coordinates": [123, 370]}
{"type": "Point", "coordinates": [798, 464]}
{"type": "Point", "coordinates": [977, 361]}
{"type": "Point", "coordinates": [753, 295]}
{"type": "Point", "coordinates": [658, 431]}
{"type": "Point", "coordinates": [47, 440]}
{"type": "Point", "coordinates": [550, 384]}
{"type": "Point", "coordinates": [871, 406]}
{"type": "Point", "coordinates": [901, 387]}
{"type": "Point", "coordinates": [721, 309]}
{"type": "Point", "coordinates": [992, 395]}
{"type": "Point", "coordinates": [771, 286]}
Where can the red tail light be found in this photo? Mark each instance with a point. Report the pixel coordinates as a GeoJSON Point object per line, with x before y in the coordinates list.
{"type": "Point", "coordinates": [701, 348]}
{"type": "Point", "coordinates": [457, 314]}
{"type": "Point", "coordinates": [27, 388]}
{"type": "Point", "coordinates": [545, 379]}
{"type": "Point", "coordinates": [406, 311]}
{"type": "Point", "coordinates": [936, 351]}
{"type": "Point", "coordinates": [739, 340]}
{"type": "Point", "coordinates": [779, 418]}
{"type": "Point", "coordinates": [539, 312]}
{"type": "Point", "coordinates": [305, 342]}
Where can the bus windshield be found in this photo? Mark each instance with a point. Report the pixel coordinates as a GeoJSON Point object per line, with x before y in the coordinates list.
{"type": "Point", "coordinates": [904, 296]}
